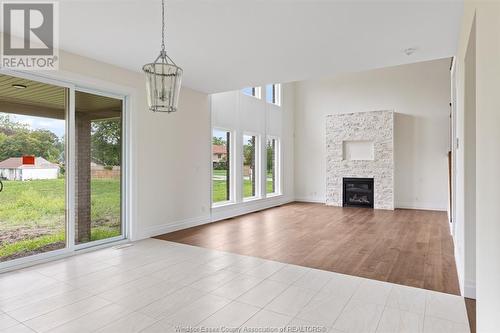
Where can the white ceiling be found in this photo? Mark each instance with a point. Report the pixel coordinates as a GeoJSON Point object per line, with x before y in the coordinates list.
{"type": "Point", "coordinates": [225, 45]}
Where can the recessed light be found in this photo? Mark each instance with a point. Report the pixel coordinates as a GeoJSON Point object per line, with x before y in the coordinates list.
{"type": "Point", "coordinates": [409, 51]}
{"type": "Point", "coordinates": [19, 86]}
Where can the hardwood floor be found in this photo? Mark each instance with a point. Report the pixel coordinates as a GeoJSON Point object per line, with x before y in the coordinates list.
{"type": "Point", "coordinates": [409, 247]}
{"type": "Point", "coordinates": [470, 304]}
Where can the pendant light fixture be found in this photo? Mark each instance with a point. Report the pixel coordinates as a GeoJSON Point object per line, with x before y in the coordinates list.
{"type": "Point", "coordinates": [163, 78]}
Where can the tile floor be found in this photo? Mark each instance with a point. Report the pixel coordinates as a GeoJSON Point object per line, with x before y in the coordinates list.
{"type": "Point", "coordinates": [159, 286]}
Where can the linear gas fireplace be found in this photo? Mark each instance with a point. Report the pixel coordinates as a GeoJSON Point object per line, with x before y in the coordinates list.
{"type": "Point", "coordinates": [358, 192]}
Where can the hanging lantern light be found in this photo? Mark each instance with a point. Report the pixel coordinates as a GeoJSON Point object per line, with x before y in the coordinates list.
{"type": "Point", "coordinates": [163, 78]}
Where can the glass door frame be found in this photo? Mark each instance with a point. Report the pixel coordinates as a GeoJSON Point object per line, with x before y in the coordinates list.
{"type": "Point", "coordinates": [70, 158]}
{"type": "Point", "coordinates": [123, 169]}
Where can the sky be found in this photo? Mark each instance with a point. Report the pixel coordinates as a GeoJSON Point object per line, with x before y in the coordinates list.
{"type": "Point", "coordinates": [56, 126]}
{"type": "Point", "coordinates": [269, 92]}
{"type": "Point", "coordinates": [219, 134]}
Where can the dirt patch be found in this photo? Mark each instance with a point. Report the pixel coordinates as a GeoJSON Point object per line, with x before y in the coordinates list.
{"type": "Point", "coordinates": [46, 248]}
{"type": "Point", "coordinates": [15, 235]}
{"type": "Point", "coordinates": [105, 222]}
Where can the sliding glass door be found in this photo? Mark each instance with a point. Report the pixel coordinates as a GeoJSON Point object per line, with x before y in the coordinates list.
{"type": "Point", "coordinates": [32, 167]}
{"type": "Point", "coordinates": [61, 168]}
{"type": "Point", "coordinates": [98, 148]}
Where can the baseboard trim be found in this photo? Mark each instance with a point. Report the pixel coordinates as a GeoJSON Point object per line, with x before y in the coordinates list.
{"type": "Point", "coordinates": [420, 206]}
{"type": "Point", "coordinates": [229, 211]}
{"type": "Point", "coordinates": [173, 226]}
{"type": "Point", "coordinates": [218, 213]}
{"type": "Point", "coordinates": [402, 205]}
{"type": "Point", "coordinates": [312, 200]}
{"type": "Point", "coordinates": [470, 289]}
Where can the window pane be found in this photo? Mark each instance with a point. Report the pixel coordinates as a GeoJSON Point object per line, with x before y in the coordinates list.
{"type": "Point", "coordinates": [221, 166]}
{"type": "Point", "coordinates": [270, 93]}
{"type": "Point", "coordinates": [32, 168]}
{"type": "Point", "coordinates": [272, 158]}
{"type": "Point", "coordinates": [98, 131]}
{"type": "Point", "coordinates": [250, 91]}
{"type": "Point", "coordinates": [273, 93]}
{"type": "Point", "coordinates": [249, 166]}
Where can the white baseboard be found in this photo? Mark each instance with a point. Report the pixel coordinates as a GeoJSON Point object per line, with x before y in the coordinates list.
{"type": "Point", "coordinates": [470, 289]}
{"type": "Point", "coordinates": [458, 259]}
{"type": "Point", "coordinates": [467, 287]}
{"type": "Point", "coordinates": [172, 226]}
{"type": "Point", "coordinates": [218, 213]}
{"type": "Point", "coordinates": [228, 211]}
{"type": "Point", "coordinates": [420, 205]}
{"type": "Point", "coordinates": [309, 199]}
{"type": "Point", "coordinates": [404, 205]}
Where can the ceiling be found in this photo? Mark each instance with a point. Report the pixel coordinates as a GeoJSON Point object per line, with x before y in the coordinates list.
{"type": "Point", "coordinates": [35, 94]}
{"type": "Point", "coordinates": [229, 44]}
{"type": "Point", "coordinates": [46, 100]}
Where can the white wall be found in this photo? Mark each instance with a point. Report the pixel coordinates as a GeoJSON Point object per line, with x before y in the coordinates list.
{"type": "Point", "coordinates": [170, 182]}
{"type": "Point", "coordinates": [241, 114]}
{"type": "Point", "coordinates": [28, 174]}
{"type": "Point", "coordinates": [464, 227]}
{"type": "Point", "coordinates": [171, 153]}
{"type": "Point", "coordinates": [478, 239]}
{"type": "Point", "coordinates": [418, 93]}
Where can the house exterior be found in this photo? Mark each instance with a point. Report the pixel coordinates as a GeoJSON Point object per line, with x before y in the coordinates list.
{"type": "Point", "coordinates": [28, 168]}
{"type": "Point", "coordinates": [219, 153]}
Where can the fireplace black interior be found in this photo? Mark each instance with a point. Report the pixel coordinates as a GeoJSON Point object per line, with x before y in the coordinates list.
{"type": "Point", "coordinates": [358, 192]}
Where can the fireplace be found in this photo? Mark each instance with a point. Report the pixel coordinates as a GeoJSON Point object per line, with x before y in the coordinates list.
{"type": "Point", "coordinates": [358, 192]}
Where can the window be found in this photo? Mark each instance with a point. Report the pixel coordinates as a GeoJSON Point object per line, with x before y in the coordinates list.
{"type": "Point", "coordinates": [273, 94]}
{"type": "Point", "coordinates": [272, 166]}
{"type": "Point", "coordinates": [221, 166]}
{"type": "Point", "coordinates": [33, 142]}
{"type": "Point", "coordinates": [98, 148]}
{"type": "Point", "coordinates": [252, 91]}
{"type": "Point", "coordinates": [250, 175]}
{"type": "Point", "coordinates": [61, 165]}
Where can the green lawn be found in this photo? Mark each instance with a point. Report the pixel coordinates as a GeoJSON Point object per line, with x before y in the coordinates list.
{"type": "Point", "coordinates": [32, 214]}
{"type": "Point", "coordinates": [219, 187]}
{"type": "Point", "coordinates": [219, 172]}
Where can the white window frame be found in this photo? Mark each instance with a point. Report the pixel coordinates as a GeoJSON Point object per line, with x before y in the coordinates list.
{"type": "Point", "coordinates": [71, 247]}
{"type": "Point", "coordinates": [232, 178]}
{"type": "Point", "coordinates": [258, 168]}
{"type": "Point", "coordinates": [277, 167]}
{"type": "Point", "coordinates": [277, 94]}
{"type": "Point", "coordinates": [257, 90]}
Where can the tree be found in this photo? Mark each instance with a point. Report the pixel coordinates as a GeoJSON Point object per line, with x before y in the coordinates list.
{"type": "Point", "coordinates": [9, 126]}
{"type": "Point", "coordinates": [3, 137]}
{"type": "Point", "coordinates": [106, 142]}
{"type": "Point", "coordinates": [218, 141]}
{"type": "Point", "coordinates": [17, 139]}
{"type": "Point", "coordinates": [270, 154]}
{"type": "Point", "coordinates": [249, 153]}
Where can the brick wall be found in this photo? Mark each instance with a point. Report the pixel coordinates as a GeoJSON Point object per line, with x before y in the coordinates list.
{"type": "Point", "coordinates": [82, 131]}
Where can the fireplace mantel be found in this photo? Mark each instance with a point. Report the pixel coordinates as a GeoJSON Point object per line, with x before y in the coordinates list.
{"type": "Point", "coordinates": [373, 130]}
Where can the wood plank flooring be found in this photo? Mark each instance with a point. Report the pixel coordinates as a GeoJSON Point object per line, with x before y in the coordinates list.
{"type": "Point", "coordinates": [409, 247]}
{"type": "Point", "coordinates": [470, 304]}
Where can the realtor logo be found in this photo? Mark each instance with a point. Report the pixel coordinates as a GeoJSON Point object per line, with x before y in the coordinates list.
{"type": "Point", "coordinates": [30, 35]}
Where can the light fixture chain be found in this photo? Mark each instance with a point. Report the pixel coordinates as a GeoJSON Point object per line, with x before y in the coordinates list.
{"type": "Point", "coordinates": [163, 77]}
{"type": "Point", "coordinates": [163, 25]}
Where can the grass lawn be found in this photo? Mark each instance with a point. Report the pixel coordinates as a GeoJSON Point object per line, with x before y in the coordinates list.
{"type": "Point", "coordinates": [32, 215]}
{"type": "Point", "coordinates": [219, 172]}
{"type": "Point", "coordinates": [219, 187]}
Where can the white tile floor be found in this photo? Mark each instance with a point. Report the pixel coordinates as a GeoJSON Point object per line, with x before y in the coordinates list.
{"type": "Point", "coordinates": [158, 286]}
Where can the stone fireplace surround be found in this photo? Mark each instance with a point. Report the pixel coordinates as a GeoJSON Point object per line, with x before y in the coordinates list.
{"type": "Point", "coordinates": [374, 126]}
